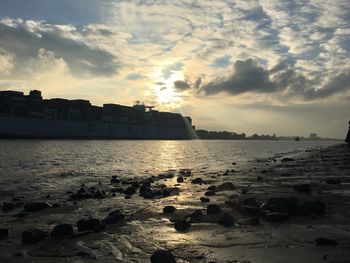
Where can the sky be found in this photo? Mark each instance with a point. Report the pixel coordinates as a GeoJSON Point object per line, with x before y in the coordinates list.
{"type": "Point", "coordinates": [252, 66]}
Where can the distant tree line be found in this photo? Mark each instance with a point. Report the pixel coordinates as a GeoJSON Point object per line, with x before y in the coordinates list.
{"type": "Point", "coordinates": [225, 135]}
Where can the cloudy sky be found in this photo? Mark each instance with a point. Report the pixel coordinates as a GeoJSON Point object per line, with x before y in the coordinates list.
{"type": "Point", "coordinates": [265, 66]}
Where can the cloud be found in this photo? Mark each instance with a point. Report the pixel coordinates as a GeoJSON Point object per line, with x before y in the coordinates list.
{"type": "Point", "coordinates": [181, 85]}
{"type": "Point", "coordinates": [170, 69]}
{"type": "Point", "coordinates": [25, 38]}
{"type": "Point", "coordinates": [6, 62]}
{"type": "Point", "coordinates": [247, 76]}
{"type": "Point", "coordinates": [134, 76]}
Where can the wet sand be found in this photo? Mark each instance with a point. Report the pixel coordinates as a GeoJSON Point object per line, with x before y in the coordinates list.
{"type": "Point", "coordinates": [248, 227]}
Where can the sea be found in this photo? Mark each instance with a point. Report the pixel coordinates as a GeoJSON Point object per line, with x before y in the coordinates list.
{"type": "Point", "coordinates": [29, 167]}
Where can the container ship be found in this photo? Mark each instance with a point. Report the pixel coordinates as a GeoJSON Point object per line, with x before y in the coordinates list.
{"type": "Point", "coordinates": [32, 117]}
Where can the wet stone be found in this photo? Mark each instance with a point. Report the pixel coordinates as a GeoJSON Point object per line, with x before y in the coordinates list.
{"type": "Point", "coordinates": [4, 232]}
{"type": "Point", "coordinates": [226, 186]}
{"type": "Point", "coordinates": [33, 236]}
{"type": "Point", "coordinates": [197, 181]}
{"type": "Point", "coordinates": [205, 200]}
{"type": "Point", "coordinates": [130, 191]}
{"type": "Point", "coordinates": [333, 181]}
{"type": "Point", "coordinates": [7, 206]}
{"type": "Point", "coordinates": [226, 221]}
{"type": "Point", "coordinates": [251, 221]}
{"type": "Point", "coordinates": [302, 188]}
{"type": "Point", "coordinates": [212, 188]}
{"type": "Point", "coordinates": [180, 179]}
{"type": "Point", "coordinates": [115, 180]}
{"type": "Point", "coordinates": [321, 241]}
{"type": "Point", "coordinates": [276, 217]}
{"type": "Point", "coordinates": [209, 193]}
{"type": "Point", "coordinates": [162, 256]}
{"type": "Point", "coordinates": [284, 160]}
{"type": "Point", "coordinates": [62, 230]}
{"type": "Point", "coordinates": [169, 209]}
{"type": "Point", "coordinates": [36, 206]}
{"type": "Point", "coordinates": [196, 214]}
{"type": "Point", "coordinates": [213, 209]}
{"type": "Point", "coordinates": [113, 217]}
{"type": "Point", "coordinates": [89, 224]}
{"type": "Point", "coordinates": [182, 225]}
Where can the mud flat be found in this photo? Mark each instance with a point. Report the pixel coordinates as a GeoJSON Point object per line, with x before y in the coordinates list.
{"type": "Point", "coordinates": [278, 209]}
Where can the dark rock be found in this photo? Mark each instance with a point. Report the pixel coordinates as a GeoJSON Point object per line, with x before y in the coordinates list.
{"type": "Point", "coordinates": [251, 221]}
{"type": "Point", "coordinates": [4, 232]}
{"type": "Point", "coordinates": [148, 195]}
{"type": "Point", "coordinates": [197, 181]}
{"type": "Point", "coordinates": [99, 193]}
{"type": "Point", "coordinates": [234, 163]}
{"type": "Point", "coordinates": [36, 206]}
{"type": "Point", "coordinates": [185, 172]}
{"type": "Point", "coordinates": [89, 224]}
{"type": "Point", "coordinates": [302, 188]}
{"type": "Point", "coordinates": [196, 214]}
{"type": "Point", "coordinates": [168, 191]}
{"type": "Point", "coordinates": [162, 256]}
{"type": "Point", "coordinates": [127, 197]}
{"type": "Point", "coordinates": [213, 209]}
{"type": "Point", "coordinates": [212, 188]}
{"type": "Point", "coordinates": [135, 185]}
{"type": "Point", "coordinates": [205, 200]}
{"type": "Point", "coordinates": [62, 230]}
{"type": "Point", "coordinates": [115, 180]}
{"type": "Point", "coordinates": [182, 225]}
{"type": "Point", "coordinates": [226, 221]}
{"type": "Point", "coordinates": [7, 206]}
{"type": "Point", "coordinates": [113, 217]}
{"type": "Point", "coordinates": [130, 191]}
{"type": "Point", "coordinates": [321, 241]}
{"type": "Point", "coordinates": [249, 201]}
{"type": "Point", "coordinates": [333, 181]}
{"type": "Point", "coordinates": [80, 196]}
{"type": "Point", "coordinates": [276, 217]}
{"type": "Point", "coordinates": [312, 207]}
{"type": "Point", "coordinates": [180, 179]}
{"type": "Point", "coordinates": [284, 160]}
{"type": "Point", "coordinates": [289, 205]}
{"type": "Point", "coordinates": [226, 186]}
{"type": "Point", "coordinates": [117, 190]}
{"type": "Point", "coordinates": [169, 209]}
{"type": "Point", "coordinates": [33, 236]}
{"type": "Point", "coordinates": [209, 193]}
{"type": "Point", "coordinates": [259, 178]}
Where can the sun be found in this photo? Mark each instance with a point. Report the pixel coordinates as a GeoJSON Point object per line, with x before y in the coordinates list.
{"type": "Point", "coordinates": [166, 94]}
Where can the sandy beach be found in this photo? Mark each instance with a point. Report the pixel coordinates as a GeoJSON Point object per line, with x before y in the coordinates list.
{"type": "Point", "coordinates": [278, 209]}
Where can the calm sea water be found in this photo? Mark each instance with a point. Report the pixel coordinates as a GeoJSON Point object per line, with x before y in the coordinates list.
{"type": "Point", "coordinates": [37, 164]}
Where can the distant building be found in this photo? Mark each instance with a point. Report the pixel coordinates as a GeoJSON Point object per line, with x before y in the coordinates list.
{"type": "Point", "coordinates": [313, 136]}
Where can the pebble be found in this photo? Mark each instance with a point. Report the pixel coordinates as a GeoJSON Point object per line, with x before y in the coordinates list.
{"type": "Point", "coordinates": [62, 230]}
{"type": "Point", "coordinates": [213, 209]}
{"type": "Point", "coordinates": [33, 236]}
{"type": "Point", "coordinates": [182, 225]}
{"type": "Point", "coordinates": [169, 209]}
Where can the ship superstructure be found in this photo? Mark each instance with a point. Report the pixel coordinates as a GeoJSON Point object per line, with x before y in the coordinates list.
{"type": "Point", "coordinates": [31, 116]}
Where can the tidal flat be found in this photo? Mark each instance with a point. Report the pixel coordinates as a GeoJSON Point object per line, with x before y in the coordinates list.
{"type": "Point", "coordinates": [282, 208]}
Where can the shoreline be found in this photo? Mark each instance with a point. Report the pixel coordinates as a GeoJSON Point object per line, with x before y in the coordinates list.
{"type": "Point", "coordinates": [237, 232]}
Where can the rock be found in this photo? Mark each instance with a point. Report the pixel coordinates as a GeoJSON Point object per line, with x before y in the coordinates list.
{"type": "Point", "coordinates": [226, 221]}
{"type": "Point", "coordinates": [185, 172]}
{"type": "Point", "coordinates": [99, 193]}
{"type": "Point", "coordinates": [36, 206]}
{"type": "Point", "coordinates": [276, 217]}
{"type": "Point", "coordinates": [162, 256]}
{"type": "Point", "coordinates": [212, 188]}
{"type": "Point", "coordinates": [302, 188]}
{"type": "Point", "coordinates": [312, 207]}
{"type": "Point", "coordinates": [284, 160]}
{"type": "Point", "coordinates": [333, 181]}
{"type": "Point", "coordinates": [89, 224]}
{"type": "Point", "coordinates": [168, 191]}
{"type": "Point", "coordinates": [62, 230]}
{"type": "Point", "coordinates": [4, 232]}
{"type": "Point", "coordinates": [180, 179]}
{"type": "Point", "coordinates": [251, 221]}
{"type": "Point", "coordinates": [182, 225]}
{"type": "Point", "coordinates": [289, 205]}
{"type": "Point", "coordinates": [205, 200]}
{"type": "Point", "coordinates": [321, 241]}
{"type": "Point", "coordinates": [115, 180]}
{"type": "Point", "coordinates": [33, 236]}
{"type": "Point", "coordinates": [135, 185]}
{"type": "Point", "coordinates": [213, 209]}
{"type": "Point", "coordinates": [113, 217]}
{"type": "Point", "coordinates": [129, 191]}
{"type": "Point", "coordinates": [117, 190]}
{"type": "Point", "coordinates": [197, 181]}
{"type": "Point", "coordinates": [196, 214]}
{"type": "Point", "coordinates": [226, 186]}
{"type": "Point", "coordinates": [249, 201]}
{"type": "Point", "coordinates": [259, 178]}
{"type": "Point", "coordinates": [234, 163]}
{"type": "Point", "coordinates": [7, 206]}
{"type": "Point", "coordinates": [169, 209]}
{"type": "Point", "coordinates": [209, 193]}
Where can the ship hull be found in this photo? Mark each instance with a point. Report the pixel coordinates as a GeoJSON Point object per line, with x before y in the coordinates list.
{"type": "Point", "coordinates": [31, 128]}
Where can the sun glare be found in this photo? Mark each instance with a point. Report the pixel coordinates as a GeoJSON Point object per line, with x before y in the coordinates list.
{"type": "Point", "coordinates": [166, 94]}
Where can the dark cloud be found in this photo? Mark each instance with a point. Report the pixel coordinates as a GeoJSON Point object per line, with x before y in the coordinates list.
{"type": "Point", "coordinates": [81, 58]}
{"type": "Point", "coordinates": [181, 85]}
{"type": "Point", "coordinates": [247, 76]}
{"type": "Point", "coordinates": [135, 76]}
